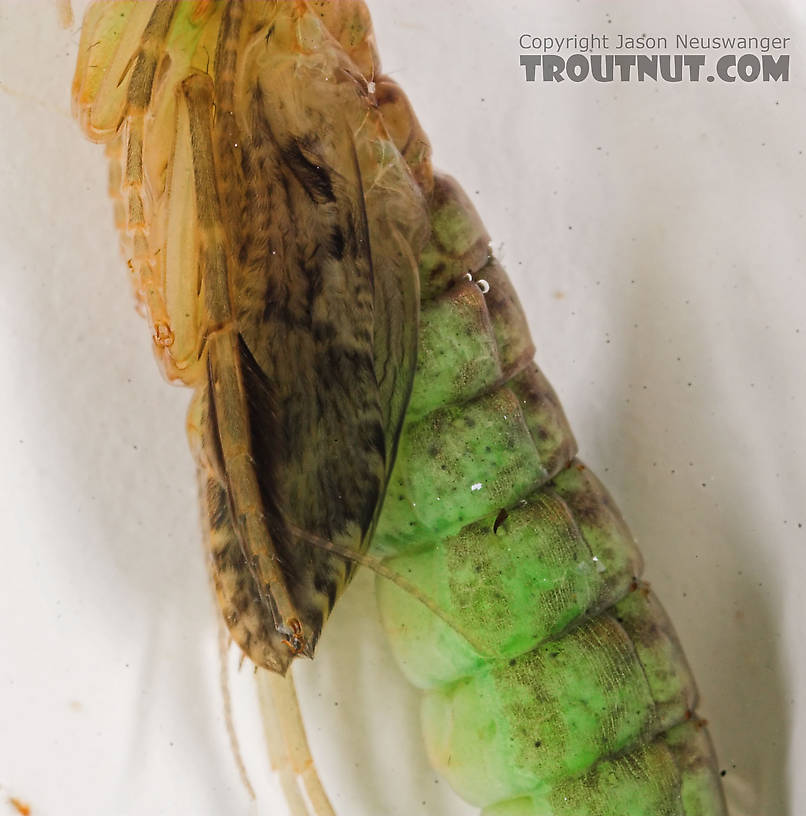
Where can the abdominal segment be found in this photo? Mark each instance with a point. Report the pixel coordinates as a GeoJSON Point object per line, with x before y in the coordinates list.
{"type": "Point", "coordinates": [554, 684]}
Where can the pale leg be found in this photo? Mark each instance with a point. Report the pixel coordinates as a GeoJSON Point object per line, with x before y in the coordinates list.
{"type": "Point", "coordinates": [288, 746]}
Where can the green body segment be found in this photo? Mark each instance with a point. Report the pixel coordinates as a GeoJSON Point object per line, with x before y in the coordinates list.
{"type": "Point", "coordinates": [553, 682]}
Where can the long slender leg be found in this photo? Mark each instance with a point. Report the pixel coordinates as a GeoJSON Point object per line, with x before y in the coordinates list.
{"type": "Point", "coordinates": [278, 749]}
{"type": "Point", "coordinates": [226, 381]}
{"type": "Point", "coordinates": [138, 97]}
{"type": "Point", "coordinates": [133, 56]}
{"type": "Point", "coordinates": [287, 742]}
{"type": "Point", "coordinates": [121, 47]}
{"type": "Point", "coordinates": [246, 618]}
{"type": "Point", "coordinates": [112, 100]}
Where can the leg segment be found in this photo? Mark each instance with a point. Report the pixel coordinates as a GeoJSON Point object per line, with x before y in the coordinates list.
{"type": "Point", "coordinates": [288, 746]}
{"type": "Point", "coordinates": [227, 393]}
{"type": "Point", "coordinates": [132, 59]}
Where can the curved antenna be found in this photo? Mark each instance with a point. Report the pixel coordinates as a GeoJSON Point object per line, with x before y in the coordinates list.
{"type": "Point", "coordinates": [226, 697]}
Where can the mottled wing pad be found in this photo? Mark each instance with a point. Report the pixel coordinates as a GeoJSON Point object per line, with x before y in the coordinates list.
{"type": "Point", "coordinates": [272, 224]}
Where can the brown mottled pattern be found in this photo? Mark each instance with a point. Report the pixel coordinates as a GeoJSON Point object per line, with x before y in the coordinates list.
{"type": "Point", "coordinates": [305, 222]}
{"type": "Point", "coordinates": [250, 623]}
{"type": "Point", "coordinates": [328, 335]}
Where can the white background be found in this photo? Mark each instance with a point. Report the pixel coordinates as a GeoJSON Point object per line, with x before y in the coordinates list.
{"type": "Point", "coordinates": [656, 235]}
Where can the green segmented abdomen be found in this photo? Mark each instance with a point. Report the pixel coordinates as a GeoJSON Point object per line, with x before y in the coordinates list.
{"type": "Point", "coordinates": [554, 682]}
